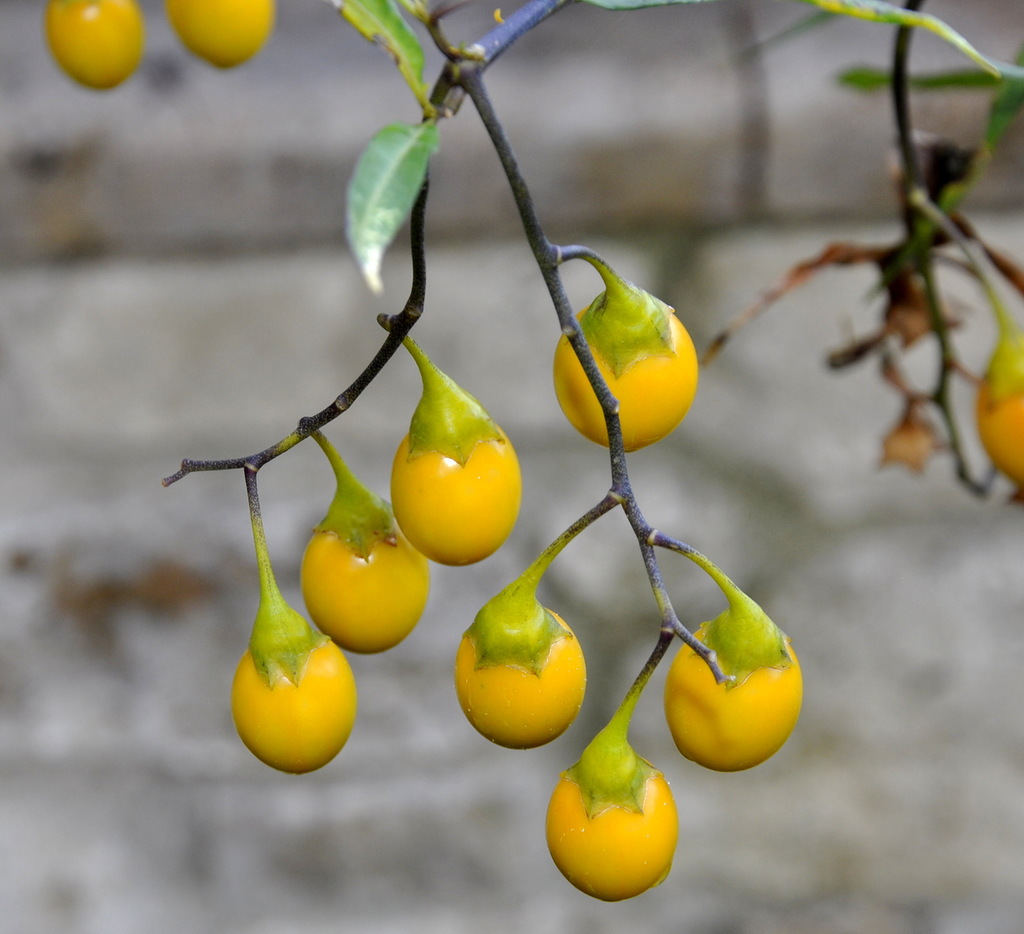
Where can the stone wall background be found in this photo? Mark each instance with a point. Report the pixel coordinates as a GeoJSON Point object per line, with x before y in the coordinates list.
{"type": "Point", "coordinates": [173, 283]}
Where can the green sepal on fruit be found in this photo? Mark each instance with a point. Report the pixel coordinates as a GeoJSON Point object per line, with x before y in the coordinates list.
{"type": "Point", "coordinates": [520, 673]}
{"type": "Point", "coordinates": [293, 697]}
{"type": "Point", "coordinates": [643, 354]}
{"type": "Point", "coordinates": [735, 718]}
{"type": "Point", "coordinates": [447, 419]}
{"type": "Point", "coordinates": [363, 582]}
{"type": "Point", "coordinates": [743, 637]}
{"type": "Point", "coordinates": [357, 515]}
{"type": "Point", "coordinates": [626, 324]}
{"type": "Point", "coordinates": [609, 772]}
{"type": "Point", "coordinates": [999, 405]}
{"type": "Point", "coordinates": [612, 824]}
{"type": "Point", "coordinates": [281, 639]}
{"type": "Point", "coordinates": [1005, 373]}
{"type": "Point", "coordinates": [456, 485]}
{"type": "Point", "coordinates": [515, 630]}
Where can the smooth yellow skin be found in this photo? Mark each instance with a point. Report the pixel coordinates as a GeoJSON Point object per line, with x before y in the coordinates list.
{"type": "Point", "coordinates": [654, 394]}
{"type": "Point", "coordinates": [296, 727]}
{"type": "Point", "coordinates": [364, 604]}
{"type": "Point", "coordinates": [516, 708]}
{"type": "Point", "coordinates": [729, 729]}
{"type": "Point", "coordinates": [618, 853]}
{"type": "Point", "coordinates": [1001, 429]}
{"type": "Point", "coordinates": [452, 513]}
{"type": "Point", "coordinates": [223, 32]}
{"type": "Point", "coordinates": [98, 43]}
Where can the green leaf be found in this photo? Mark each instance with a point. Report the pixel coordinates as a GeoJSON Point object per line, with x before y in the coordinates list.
{"type": "Point", "coordinates": [878, 11]}
{"type": "Point", "coordinates": [1005, 107]}
{"type": "Point", "coordinates": [380, 22]}
{"type": "Point", "coordinates": [384, 186]}
{"type": "Point", "coordinates": [638, 4]}
{"type": "Point", "coordinates": [866, 78]}
{"type": "Point", "coordinates": [417, 8]}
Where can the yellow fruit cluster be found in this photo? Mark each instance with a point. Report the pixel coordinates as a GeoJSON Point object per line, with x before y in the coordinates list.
{"type": "Point", "coordinates": [100, 43]}
{"type": "Point", "coordinates": [520, 674]}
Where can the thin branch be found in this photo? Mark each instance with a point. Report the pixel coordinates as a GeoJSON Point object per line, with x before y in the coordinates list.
{"type": "Point", "coordinates": [924, 222]}
{"type": "Point", "coordinates": [499, 39]}
{"type": "Point", "coordinates": [463, 74]}
{"type": "Point", "coordinates": [398, 326]}
{"type": "Point", "coordinates": [901, 103]}
{"type": "Point", "coordinates": [549, 259]}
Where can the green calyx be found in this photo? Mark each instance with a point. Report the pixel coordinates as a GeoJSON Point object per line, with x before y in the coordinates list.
{"type": "Point", "coordinates": [744, 639]}
{"type": "Point", "coordinates": [447, 419]}
{"type": "Point", "coordinates": [281, 640]}
{"type": "Point", "coordinates": [625, 324]}
{"type": "Point", "coordinates": [513, 629]}
{"type": "Point", "coordinates": [742, 636]}
{"type": "Point", "coordinates": [1005, 373]}
{"type": "Point", "coordinates": [357, 515]}
{"type": "Point", "coordinates": [609, 772]}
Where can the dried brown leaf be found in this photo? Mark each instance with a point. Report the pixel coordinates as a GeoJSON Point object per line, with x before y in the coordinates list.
{"type": "Point", "coordinates": [835, 254]}
{"type": "Point", "coordinates": [911, 442]}
{"type": "Point", "coordinates": [855, 351]}
{"type": "Point", "coordinates": [907, 315]}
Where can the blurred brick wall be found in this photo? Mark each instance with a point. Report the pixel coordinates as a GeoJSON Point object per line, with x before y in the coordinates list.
{"type": "Point", "coordinates": [174, 283]}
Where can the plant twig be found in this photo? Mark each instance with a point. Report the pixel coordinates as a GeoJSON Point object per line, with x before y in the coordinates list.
{"type": "Point", "coordinates": [549, 259]}
{"type": "Point", "coordinates": [398, 326]}
{"type": "Point", "coordinates": [924, 221]}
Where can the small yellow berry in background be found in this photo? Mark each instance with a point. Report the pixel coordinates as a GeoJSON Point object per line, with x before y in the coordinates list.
{"type": "Point", "coordinates": [224, 33]}
{"type": "Point", "coordinates": [98, 43]}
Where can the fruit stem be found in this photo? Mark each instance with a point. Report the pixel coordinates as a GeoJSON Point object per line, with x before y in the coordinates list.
{"type": "Point", "coordinates": [281, 639]}
{"type": "Point", "coordinates": [733, 594]}
{"type": "Point", "coordinates": [609, 772]}
{"type": "Point", "coordinates": [270, 593]}
{"type": "Point", "coordinates": [342, 473]}
{"type": "Point", "coordinates": [513, 627]}
{"type": "Point", "coordinates": [620, 721]}
{"type": "Point", "coordinates": [613, 282]}
{"type": "Point", "coordinates": [542, 562]}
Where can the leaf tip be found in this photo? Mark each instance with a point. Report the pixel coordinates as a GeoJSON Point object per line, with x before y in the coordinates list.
{"type": "Point", "coordinates": [371, 276]}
